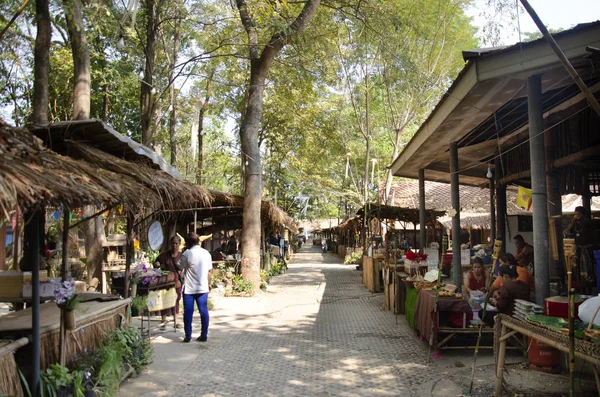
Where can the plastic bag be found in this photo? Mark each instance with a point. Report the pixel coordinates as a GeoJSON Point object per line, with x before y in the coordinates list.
{"type": "Point", "coordinates": [587, 310]}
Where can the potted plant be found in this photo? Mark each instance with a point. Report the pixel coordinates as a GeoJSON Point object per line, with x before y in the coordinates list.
{"type": "Point", "coordinates": [59, 381]}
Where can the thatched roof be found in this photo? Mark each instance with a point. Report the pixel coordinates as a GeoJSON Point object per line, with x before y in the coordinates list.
{"type": "Point", "coordinates": [381, 211]}
{"type": "Point", "coordinates": [438, 197]}
{"type": "Point", "coordinates": [173, 192]}
{"type": "Point", "coordinates": [31, 174]}
{"type": "Point", "coordinates": [100, 135]}
{"type": "Point", "coordinates": [225, 210]}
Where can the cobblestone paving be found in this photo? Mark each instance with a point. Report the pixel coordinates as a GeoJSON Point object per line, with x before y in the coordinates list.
{"type": "Point", "coordinates": [317, 332]}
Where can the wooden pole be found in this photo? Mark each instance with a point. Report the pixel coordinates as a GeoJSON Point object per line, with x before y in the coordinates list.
{"type": "Point", "coordinates": [62, 339]}
{"type": "Point", "coordinates": [500, 364]}
{"type": "Point", "coordinates": [569, 249]}
{"type": "Point", "coordinates": [16, 235]}
{"type": "Point", "coordinates": [480, 333]}
{"type": "Point", "coordinates": [562, 57]}
{"type": "Point", "coordinates": [128, 252]}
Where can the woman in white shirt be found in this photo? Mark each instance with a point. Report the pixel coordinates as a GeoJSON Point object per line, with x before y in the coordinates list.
{"type": "Point", "coordinates": [196, 264]}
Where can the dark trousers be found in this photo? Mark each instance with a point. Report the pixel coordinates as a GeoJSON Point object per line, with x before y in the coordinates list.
{"type": "Point", "coordinates": [489, 317]}
{"type": "Point", "coordinates": [188, 312]}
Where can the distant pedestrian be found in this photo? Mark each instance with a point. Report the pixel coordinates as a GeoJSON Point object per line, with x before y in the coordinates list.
{"type": "Point", "coordinates": [196, 264]}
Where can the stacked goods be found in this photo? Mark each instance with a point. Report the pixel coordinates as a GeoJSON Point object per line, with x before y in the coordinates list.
{"type": "Point", "coordinates": [524, 308]}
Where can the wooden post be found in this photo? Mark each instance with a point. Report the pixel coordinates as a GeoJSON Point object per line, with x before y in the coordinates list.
{"type": "Point", "coordinates": [16, 235]}
{"type": "Point", "coordinates": [129, 252]}
{"type": "Point", "coordinates": [62, 339]}
{"type": "Point", "coordinates": [500, 364]}
{"type": "Point", "coordinates": [2, 247]}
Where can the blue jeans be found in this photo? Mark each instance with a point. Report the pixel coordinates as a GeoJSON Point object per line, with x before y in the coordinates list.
{"type": "Point", "coordinates": [188, 313]}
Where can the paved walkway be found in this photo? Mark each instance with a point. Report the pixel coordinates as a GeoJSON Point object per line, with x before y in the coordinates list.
{"type": "Point", "coordinates": [317, 332]}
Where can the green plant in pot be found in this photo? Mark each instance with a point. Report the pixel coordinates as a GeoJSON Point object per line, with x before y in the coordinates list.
{"type": "Point", "coordinates": [58, 381]}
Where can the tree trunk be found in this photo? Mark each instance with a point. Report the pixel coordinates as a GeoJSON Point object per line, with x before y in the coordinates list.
{"type": "Point", "coordinates": [173, 99]}
{"type": "Point", "coordinates": [390, 176]}
{"type": "Point", "coordinates": [146, 96]}
{"type": "Point", "coordinates": [251, 224]}
{"type": "Point", "coordinates": [251, 161]}
{"type": "Point", "coordinates": [93, 229]}
{"type": "Point", "coordinates": [203, 110]}
{"type": "Point", "coordinates": [81, 59]}
{"type": "Point", "coordinates": [42, 62]}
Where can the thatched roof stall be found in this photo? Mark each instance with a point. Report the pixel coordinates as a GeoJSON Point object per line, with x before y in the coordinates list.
{"type": "Point", "coordinates": [31, 174]}
{"type": "Point", "coordinates": [100, 146]}
{"type": "Point", "coordinates": [225, 213]}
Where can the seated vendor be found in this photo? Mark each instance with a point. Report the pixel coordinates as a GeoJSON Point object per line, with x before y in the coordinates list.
{"type": "Point", "coordinates": [524, 254]}
{"type": "Point", "coordinates": [507, 259]}
{"type": "Point", "coordinates": [512, 289]}
{"type": "Point", "coordinates": [477, 279]}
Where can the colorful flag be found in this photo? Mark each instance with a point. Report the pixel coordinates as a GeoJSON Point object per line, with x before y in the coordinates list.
{"type": "Point", "coordinates": [524, 198]}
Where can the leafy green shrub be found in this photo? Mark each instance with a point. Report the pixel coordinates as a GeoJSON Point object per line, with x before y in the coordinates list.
{"type": "Point", "coordinates": [58, 379]}
{"type": "Point", "coordinates": [353, 259]}
{"type": "Point", "coordinates": [241, 287]}
{"type": "Point", "coordinates": [123, 348]}
{"type": "Point", "coordinates": [265, 276]}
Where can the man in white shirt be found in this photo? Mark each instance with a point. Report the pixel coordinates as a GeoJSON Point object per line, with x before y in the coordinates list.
{"type": "Point", "coordinates": [196, 264]}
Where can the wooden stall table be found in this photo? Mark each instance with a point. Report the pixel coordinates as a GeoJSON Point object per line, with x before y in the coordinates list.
{"type": "Point", "coordinates": [425, 310]}
{"type": "Point", "coordinates": [95, 314]}
{"type": "Point", "coordinates": [506, 326]}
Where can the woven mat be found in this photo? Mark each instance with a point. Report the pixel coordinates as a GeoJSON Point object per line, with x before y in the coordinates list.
{"type": "Point", "coordinates": [581, 346]}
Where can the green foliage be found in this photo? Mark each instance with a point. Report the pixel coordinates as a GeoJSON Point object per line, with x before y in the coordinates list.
{"type": "Point", "coordinates": [58, 378]}
{"type": "Point", "coordinates": [122, 348]}
{"type": "Point", "coordinates": [353, 259]}
{"type": "Point", "coordinates": [139, 303]}
{"type": "Point", "coordinates": [135, 350]}
{"type": "Point", "coordinates": [241, 287]}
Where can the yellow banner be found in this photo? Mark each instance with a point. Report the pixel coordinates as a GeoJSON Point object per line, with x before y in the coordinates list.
{"type": "Point", "coordinates": [524, 199]}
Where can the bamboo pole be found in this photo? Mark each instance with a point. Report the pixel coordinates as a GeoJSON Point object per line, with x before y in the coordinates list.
{"type": "Point", "coordinates": [569, 247]}
{"type": "Point", "coordinates": [480, 333]}
{"type": "Point", "coordinates": [500, 365]}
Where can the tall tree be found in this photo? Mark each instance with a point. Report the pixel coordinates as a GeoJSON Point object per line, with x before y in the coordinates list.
{"type": "Point", "coordinates": [203, 108]}
{"type": "Point", "coordinates": [147, 100]}
{"type": "Point", "coordinates": [260, 63]}
{"type": "Point", "coordinates": [42, 62]}
{"type": "Point", "coordinates": [93, 229]}
{"type": "Point", "coordinates": [81, 59]}
{"type": "Point", "coordinates": [172, 94]}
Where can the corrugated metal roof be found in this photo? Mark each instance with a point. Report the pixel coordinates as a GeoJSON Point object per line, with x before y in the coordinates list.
{"type": "Point", "coordinates": [99, 134]}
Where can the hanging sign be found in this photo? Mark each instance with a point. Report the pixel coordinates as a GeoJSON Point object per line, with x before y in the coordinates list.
{"type": "Point", "coordinates": [155, 235]}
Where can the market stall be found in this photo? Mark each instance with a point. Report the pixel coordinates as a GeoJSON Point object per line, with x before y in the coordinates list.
{"type": "Point", "coordinates": [507, 326]}
{"type": "Point", "coordinates": [33, 177]}
{"type": "Point", "coordinates": [95, 315]}
{"type": "Point", "coordinates": [384, 265]}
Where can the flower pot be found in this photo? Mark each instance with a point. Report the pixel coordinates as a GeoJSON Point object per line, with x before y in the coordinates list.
{"type": "Point", "coordinates": [69, 320]}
